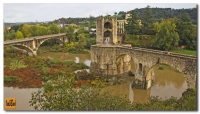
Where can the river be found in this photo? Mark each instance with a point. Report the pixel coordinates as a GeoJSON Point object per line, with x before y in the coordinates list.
{"type": "Point", "coordinates": [167, 83]}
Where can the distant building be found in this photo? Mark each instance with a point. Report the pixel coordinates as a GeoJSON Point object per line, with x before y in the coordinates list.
{"type": "Point", "coordinates": [121, 23]}
{"type": "Point", "coordinates": [8, 28]}
{"type": "Point", "coordinates": [92, 31]}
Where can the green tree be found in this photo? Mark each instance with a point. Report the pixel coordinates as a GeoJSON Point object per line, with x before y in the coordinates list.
{"type": "Point", "coordinates": [33, 30]}
{"type": "Point", "coordinates": [11, 35]}
{"type": "Point", "coordinates": [62, 30]}
{"type": "Point", "coordinates": [19, 35]}
{"type": "Point", "coordinates": [187, 31]}
{"type": "Point", "coordinates": [26, 30]}
{"type": "Point", "coordinates": [41, 30]}
{"type": "Point", "coordinates": [54, 29]}
{"type": "Point", "coordinates": [147, 21]}
{"type": "Point", "coordinates": [90, 41]}
{"type": "Point", "coordinates": [70, 33]}
{"type": "Point", "coordinates": [5, 34]}
{"type": "Point", "coordinates": [132, 27]}
{"type": "Point", "coordinates": [15, 27]}
{"type": "Point", "coordinates": [166, 37]}
{"type": "Point", "coordinates": [81, 43]}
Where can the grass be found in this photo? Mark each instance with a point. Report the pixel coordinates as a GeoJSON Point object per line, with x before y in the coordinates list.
{"type": "Point", "coordinates": [12, 79]}
{"type": "Point", "coordinates": [164, 66]}
{"type": "Point", "coordinates": [185, 51]}
{"type": "Point", "coordinates": [16, 64]}
{"type": "Point", "coordinates": [160, 67]}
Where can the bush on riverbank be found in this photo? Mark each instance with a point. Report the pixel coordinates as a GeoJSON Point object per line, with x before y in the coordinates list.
{"type": "Point", "coordinates": [16, 64]}
{"type": "Point", "coordinates": [12, 79]}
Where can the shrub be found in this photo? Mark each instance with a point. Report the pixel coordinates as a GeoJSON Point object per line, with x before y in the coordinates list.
{"type": "Point", "coordinates": [160, 67]}
{"type": "Point", "coordinates": [59, 95]}
{"type": "Point", "coordinates": [72, 50]}
{"type": "Point", "coordinates": [46, 70]}
{"type": "Point", "coordinates": [69, 63]}
{"type": "Point", "coordinates": [16, 64]}
{"type": "Point", "coordinates": [12, 79]}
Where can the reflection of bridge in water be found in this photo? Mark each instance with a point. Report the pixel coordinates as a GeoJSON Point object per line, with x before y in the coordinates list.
{"type": "Point", "coordinates": [32, 44]}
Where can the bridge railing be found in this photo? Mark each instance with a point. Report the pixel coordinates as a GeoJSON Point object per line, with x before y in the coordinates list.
{"type": "Point", "coordinates": [162, 52]}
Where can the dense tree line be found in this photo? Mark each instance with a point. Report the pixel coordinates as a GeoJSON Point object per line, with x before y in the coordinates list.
{"type": "Point", "coordinates": [161, 13]}
{"type": "Point", "coordinates": [169, 31]}
{"type": "Point", "coordinates": [25, 30]}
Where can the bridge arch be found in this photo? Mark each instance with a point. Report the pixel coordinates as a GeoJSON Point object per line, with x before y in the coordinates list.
{"type": "Point", "coordinates": [150, 74]}
{"type": "Point", "coordinates": [24, 47]}
{"type": "Point", "coordinates": [125, 64]}
{"type": "Point", "coordinates": [41, 42]}
{"type": "Point", "coordinates": [33, 43]}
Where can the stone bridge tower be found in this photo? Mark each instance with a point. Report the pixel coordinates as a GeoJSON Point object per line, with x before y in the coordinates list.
{"type": "Point", "coordinates": [106, 30]}
{"type": "Point", "coordinates": [103, 54]}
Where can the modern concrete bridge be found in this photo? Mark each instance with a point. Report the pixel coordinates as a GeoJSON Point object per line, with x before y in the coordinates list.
{"type": "Point", "coordinates": [32, 44]}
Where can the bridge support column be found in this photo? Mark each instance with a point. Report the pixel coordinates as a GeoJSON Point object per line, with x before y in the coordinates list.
{"type": "Point", "coordinates": [191, 83]}
{"type": "Point", "coordinates": [34, 53]}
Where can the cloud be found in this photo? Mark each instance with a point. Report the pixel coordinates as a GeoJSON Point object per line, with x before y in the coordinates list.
{"type": "Point", "coordinates": [23, 12]}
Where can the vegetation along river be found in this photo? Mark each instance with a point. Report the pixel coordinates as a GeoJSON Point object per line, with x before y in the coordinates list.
{"type": "Point", "coordinates": [168, 82]}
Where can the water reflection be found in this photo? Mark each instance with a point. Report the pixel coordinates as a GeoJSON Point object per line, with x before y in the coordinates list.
{"type": "Point", "coordinates": [131, 93]}
{"type": "Point", "coordinates": [167, 83]}
{"type": "Point", "coordinates": [167, 76]}
{"type": "Point", "coordinates": [87, 62]}
{"type": "Point", "coordinates": [23, 96]}
{"type": "Point", "coordinates": [85, 58]}
{"type": "Point", "coordinates": [77, 59]}
{"type": "Point", "coordinates": [168, 90]}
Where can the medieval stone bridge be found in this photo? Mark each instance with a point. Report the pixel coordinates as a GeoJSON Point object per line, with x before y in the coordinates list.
{"type": "Point", "coordinates": [115, 60]}
{"type": "Point", "coordinates": [32, 44]}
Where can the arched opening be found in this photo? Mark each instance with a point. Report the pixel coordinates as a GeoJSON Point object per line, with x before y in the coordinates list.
{"type": "Point", "coordinates": [158, 60]}
{"type": "Point", "coordinates": [165, 79]}
{"type": "Point", "coordinates": [108, 25]}
{"type": "Point", "coordinates": [21, 47]}
{"type": "Point", "coordinates": [107, 34]}
{"type": "Point", "coordinates": [125, 64]}
{"type": "Point", "coordinates": [140, 67]}
{"type": "Point", "coordinates": [108, 37]}
{"type": "Point", "coordinates": [53, 45]}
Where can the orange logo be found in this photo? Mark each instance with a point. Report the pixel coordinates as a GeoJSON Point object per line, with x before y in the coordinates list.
{"type": "Point", "coordinates": [10, 103]}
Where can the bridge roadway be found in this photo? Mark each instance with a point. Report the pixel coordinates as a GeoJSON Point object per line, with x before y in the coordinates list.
{"type": "Point", "coordinates": [32, 38]}
{"type": "Point", "coordinates": [32, 44]}
{"type": "Point", "coordinates": [164, 52]}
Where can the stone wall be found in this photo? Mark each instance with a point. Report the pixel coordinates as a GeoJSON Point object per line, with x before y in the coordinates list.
{"type": "Point", "coordinates": [106, 59]}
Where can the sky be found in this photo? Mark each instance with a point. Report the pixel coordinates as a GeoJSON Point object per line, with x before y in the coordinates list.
{"type": "Point", "coordinates": [32, 12]}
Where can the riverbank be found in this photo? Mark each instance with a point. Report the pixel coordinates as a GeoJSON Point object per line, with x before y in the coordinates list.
{"type": "Point", "coordinates": [24, 71]}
